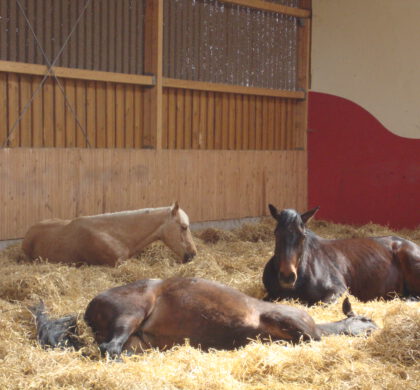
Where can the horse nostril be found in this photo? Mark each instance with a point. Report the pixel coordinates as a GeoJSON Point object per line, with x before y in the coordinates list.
{"type": "Point", "coordinates": [188, 257]}
{"type": "Point", "coordinates": [288, 279]}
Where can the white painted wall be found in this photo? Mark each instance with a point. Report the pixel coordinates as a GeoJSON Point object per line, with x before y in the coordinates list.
{"type": "Point", "coordinates": [368, 51]}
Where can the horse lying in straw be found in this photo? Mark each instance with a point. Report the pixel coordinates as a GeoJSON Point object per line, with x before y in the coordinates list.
{"type": "Point", "coordinates": [155, 313]}
{"type": "Point", "coordinates": [312, 269]}
{"type": "Point", "coordinates": [106, 239]}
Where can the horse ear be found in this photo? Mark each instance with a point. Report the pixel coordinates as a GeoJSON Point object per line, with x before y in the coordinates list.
{"type": "Point", "coordinates": [347, 309]}
{"type": "Point", "coordinates": [175, 208]}
{"type": "Point", "coordinates": [309, 214]}
{"type": "Point", "coordinates": [273, 210]}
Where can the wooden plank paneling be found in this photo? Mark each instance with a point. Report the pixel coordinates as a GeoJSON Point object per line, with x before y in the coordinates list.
{"type": "Point", "coordinates": [171, 119]}
{"type": "Point", "coordinates": [165, 125]}
{"type": "Point", "coordinates": [77, 182]}
{"type": "Point", "coordinates": [188, 120]}
{"type": "Point", "coordinates": [180, 108]}
{"type": "Point", "coordinates": [26, 119]}
{"type": "Point", "coordinates": [110, 115]}
{"type": "Point", "coordinates": [113, 116]}
{"type": "Point", "coordinates": [3, 108]}
{"type": "Point", "coordinates": [218, 129]}
{"type": "Point", "coordinates": [37, 116]}
{"type": "Point", "coordinates": [91, 111]}
{"type": "Point", "coordinates": [13, 109]}
{"type": "Point", "coordinates": [59, 112]}
{"type": "Point", "coordinates": [70, 89]}
{"type": "Point", "coordinates": [120, 115]}
{"type": "Point", "coordinates": [81, 114]}
{"type": "Point", "coordinates": [210, 121]}
{"type": "Point", "coordinates": [202, 138]}
{"type": "Point", "coordinates": [138, 117]}
{"type": "Point", "coordinates": [129, 116]}
{"type": "Point", "coordinates": [48, 101]}
{"type": "Point", "coordinates": [101, 141]}
{"type": "Point", "coordinates": [195, 120]}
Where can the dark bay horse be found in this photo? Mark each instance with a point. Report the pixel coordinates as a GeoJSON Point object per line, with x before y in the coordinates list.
{"type": "Point", "coordinates": [311, 269]}
{"type": "Point", "coordinates": [157, 313]}
{"type": "Point", "coordinates": [107, 239]}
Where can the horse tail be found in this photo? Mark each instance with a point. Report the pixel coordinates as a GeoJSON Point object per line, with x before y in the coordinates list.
{"type": "Point", "coordinates": [59, 332]}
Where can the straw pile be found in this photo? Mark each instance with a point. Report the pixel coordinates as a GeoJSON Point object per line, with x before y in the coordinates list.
{"type": "Point", "coordinates": [389, 359]}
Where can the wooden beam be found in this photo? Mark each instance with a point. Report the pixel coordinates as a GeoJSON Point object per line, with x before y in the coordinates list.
{"type": "Point", "coordinates": [153, 64]}
{"type": "Point", "coordinates": [79, 74]}
{"type": "Point", "coordinates": [272, 7]}
{"type": "Point", "coordinates": [227, 88]}
{"type": "Point", "coordinates": [303, 78]}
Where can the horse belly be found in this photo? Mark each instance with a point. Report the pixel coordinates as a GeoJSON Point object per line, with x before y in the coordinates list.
{"type": "Point", "coordinates": [42, 241]}
{"type": "Point", "coordinates": [376, 276]}
{"type": "Point", "coordinates": [171, 325]}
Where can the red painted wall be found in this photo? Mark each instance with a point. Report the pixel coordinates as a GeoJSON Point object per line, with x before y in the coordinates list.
{"type": "Point", "coordinates": [359, 172]}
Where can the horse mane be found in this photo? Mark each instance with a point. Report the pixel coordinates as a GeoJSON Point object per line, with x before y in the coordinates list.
{"type": "Point", "coordinates": [131, 212]}
{"type": "Point", "coordinates": [311, 243]}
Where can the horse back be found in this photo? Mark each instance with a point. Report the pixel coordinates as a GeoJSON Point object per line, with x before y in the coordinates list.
{"type": "Point", "coordinates": [72, 241]}
{"type": "Point", "coordinates": [371, 268]}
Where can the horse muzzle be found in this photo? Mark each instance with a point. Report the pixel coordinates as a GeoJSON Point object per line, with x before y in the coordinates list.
{"type": "Point", "coordinates": [188, 257]}
{"type": "Point", "coordinates": [287, 281]}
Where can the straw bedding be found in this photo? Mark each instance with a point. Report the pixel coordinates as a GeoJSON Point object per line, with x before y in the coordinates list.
{"type": "Point", "coordinates": [390, 358]}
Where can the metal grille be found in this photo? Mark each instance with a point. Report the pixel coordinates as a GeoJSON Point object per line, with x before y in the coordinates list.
{"type": "Point", "coordinates": [108, 38]}
{"type": "Point", "coordinates": [208, 40]}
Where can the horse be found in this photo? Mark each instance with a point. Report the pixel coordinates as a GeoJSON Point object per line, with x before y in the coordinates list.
{"type": "Point", "coordinates": [312, 269]}
{"type": "Point", "coordinates": [155, 313]}
{"type": "Point", "coordinates": [107, 239]}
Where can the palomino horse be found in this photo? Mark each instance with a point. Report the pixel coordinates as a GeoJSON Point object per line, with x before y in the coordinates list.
{"type": "Point", "coordinates": [106, 239]}
{"type": "Point", "coordinates": [312, 269]}
{"type": "Point", "coordinates": [157, 313]}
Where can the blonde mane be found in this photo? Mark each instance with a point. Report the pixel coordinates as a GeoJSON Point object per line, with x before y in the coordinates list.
{"type": "Point", "coordinates": [132, 212]}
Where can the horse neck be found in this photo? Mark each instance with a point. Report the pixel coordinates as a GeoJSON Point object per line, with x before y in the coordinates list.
{"type": "Point", "coordinates": [311, 245]}
{"type": "Point", "coordinates": [336, 327]}
{"type": "Point", "coordinates": [138, 229]}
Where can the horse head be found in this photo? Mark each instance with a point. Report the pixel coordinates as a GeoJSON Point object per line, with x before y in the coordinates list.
{"type": "Point", "coordinates": [176, 234]}
{"type": "Point", "coordinates": [290, 236]}
{"type": "Point", "coordinates": [353, 325]}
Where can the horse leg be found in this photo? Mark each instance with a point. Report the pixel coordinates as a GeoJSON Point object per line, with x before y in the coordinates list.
{"type": "Point", "coordinates": [124, 327]}
{"type": "Point", "coordinates": [292, 327]}
{"type": "Point", "coordinates": [135, 345]}
{"type": "Point", "coordinates": [270, 281]}
{"type": "Point", "coordinates": [409, 259]}
{"type": "Point", "coordinates": [333, 295]}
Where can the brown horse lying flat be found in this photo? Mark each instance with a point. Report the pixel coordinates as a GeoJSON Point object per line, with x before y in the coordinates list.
{"type": "Point", "coordinates": [106, 239]}
{"type": "Point", "coordinates": [312, 269]}
{"type": "Point", "coordinates": [161, 313]}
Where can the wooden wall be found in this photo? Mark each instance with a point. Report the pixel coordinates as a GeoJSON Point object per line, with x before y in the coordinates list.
{"type": "Point", "coordinates": [212, 120]}
{"type": "Point", "coordinates": [210, 185]}
{"type": "Point", "coordinates": [223, 148]}
{"type": "Point", "coordinates": [110, 114]}
{"type": "Point", "coordinates": [103, 114]}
